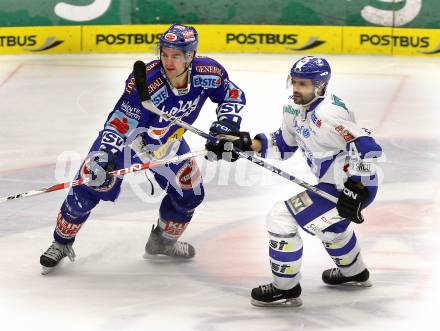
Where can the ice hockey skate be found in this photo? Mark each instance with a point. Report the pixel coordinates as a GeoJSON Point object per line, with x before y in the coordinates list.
{"type": "Point", "coordinates": [158, 246]}
{"type": "Point", "coordinates": [335, 277]}
{"type": "Point", "coordinates": [53, 256]}
{"type": "Point", "coordinates": [270, 296]}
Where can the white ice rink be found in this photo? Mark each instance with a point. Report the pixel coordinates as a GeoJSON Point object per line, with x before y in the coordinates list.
{"type": "Point", "coordinates": [51, 110]}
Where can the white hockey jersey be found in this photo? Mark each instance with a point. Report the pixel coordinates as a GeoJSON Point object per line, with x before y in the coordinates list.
{"type": "Point", "coordinates": [327, 134]}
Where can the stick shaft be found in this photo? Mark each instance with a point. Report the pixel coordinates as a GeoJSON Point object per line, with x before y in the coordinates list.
{"type": "Point", "coordinates": [120, 172]}
{"type": "Point", "coordinates": [151, 107]}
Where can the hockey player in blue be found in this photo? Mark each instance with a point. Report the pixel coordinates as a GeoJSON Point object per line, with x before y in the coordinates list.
{"type": "Point", "coordinates": [179, 84]}
{"type": "Point", "coordinates": [342, 156]}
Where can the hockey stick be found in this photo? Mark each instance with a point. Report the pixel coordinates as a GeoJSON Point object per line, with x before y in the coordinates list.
{"type": "Point", "coordinates": [139, 72]}
{"type": "Point", "coordinates": [120, 172]}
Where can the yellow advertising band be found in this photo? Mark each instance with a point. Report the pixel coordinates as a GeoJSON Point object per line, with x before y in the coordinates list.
{"type": "Point", "coordinates": [224, 38]}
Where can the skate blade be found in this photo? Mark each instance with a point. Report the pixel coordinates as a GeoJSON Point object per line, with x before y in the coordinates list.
{"type": "Point", "coordinates": [367, 283]}
{"type": "Point", "coordinates": [163, 257]}
{"type": "Point", "coordinates": [46, 270]}
{"type": "Point", "coordinates": [286, 303]}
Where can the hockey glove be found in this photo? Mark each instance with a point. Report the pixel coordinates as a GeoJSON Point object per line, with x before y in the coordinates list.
{"type": "Point", "coordinates": [97, 167]}
{"type": "Point", "coordinates": [222, 148]}
{"type": "Point", "coordinates": [219, 127]}
{"type": "Point", "coordinates": [350, 201]}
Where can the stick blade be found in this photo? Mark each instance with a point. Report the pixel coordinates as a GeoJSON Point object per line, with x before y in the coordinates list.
{"type": "Point", "coordinates": [139, 73]}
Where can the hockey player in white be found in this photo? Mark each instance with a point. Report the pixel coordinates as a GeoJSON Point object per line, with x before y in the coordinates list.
{"type": "Point", "coordinates": [341, 155]}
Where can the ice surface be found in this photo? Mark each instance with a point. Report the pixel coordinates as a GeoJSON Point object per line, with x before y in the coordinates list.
{"type": "Point", "coordinates": [51, 109]}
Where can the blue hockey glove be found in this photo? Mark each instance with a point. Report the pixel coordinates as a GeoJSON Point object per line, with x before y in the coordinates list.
{"type": "Point", "coordinates": [350, 201]}
{"type": "Point", "coordinates": [97, 167]}
{"type": "Point", "coordinates": [222, 148]}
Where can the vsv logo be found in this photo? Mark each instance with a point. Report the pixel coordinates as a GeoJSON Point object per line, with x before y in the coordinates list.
{"type": "Point", "coordinates": [229, 108]}
{"type": "Point", "coordinates": [82, 13]}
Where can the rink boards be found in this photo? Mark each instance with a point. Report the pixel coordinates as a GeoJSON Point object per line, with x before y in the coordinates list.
{"type": "Point", "coordinates": [224, 38]}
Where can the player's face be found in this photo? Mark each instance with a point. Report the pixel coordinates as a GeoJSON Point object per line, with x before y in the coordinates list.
{"type": "Point", "coordinates": [173, 61]}
{"type": "Point", "coordinates": [303, 90]}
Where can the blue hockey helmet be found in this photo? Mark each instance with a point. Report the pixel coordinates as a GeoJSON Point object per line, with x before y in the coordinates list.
{"type": "Point", "coordinates": [179, 36]}
{"type": "Point", "coordinates": [313, 68]}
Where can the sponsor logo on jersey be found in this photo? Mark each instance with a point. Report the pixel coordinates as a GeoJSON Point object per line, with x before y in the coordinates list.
{"type": "Point", "coordinates": [313, 228]}
{"type": "Point", "coordinates": [299, 202]}
{"type": "Point", "coordinates": [291, 110]}
{"type": "Point", "coordinates": [207, 81]}
{"type": "Point", "coordinates": [112, 139]}
{"type": "Point", "coordinates": [209, 70]}
{"type": "Point", "coordinates": [341, 261]}
{"type": "Point", "coordinates": [184, 109]}
{"type": "Point", "coordinates": [65, 229]}
{"type": "Point", "coordinates": [121, 124]}
{"type": "Point", "coordinates": [367, 131]}
{"type": "Point", "coordinates": [316, 120]}
{"type": "Point", "coordinates": [160, 96]}
{"type": "Point", "coordinates": [234, 93]}
{"type": "Point", "coordinates": [189, 175]}
{"type": "Point", "coordinates": [284, 268]}
{"type": "Point", "coordinates": [273, 137]}
{"type": "Point", "coordinates": [152, 66]}
{"type": "Point", "coordinates": [282, 245]}
{"type": "Point", "coordinates": [131, 83]}
{"type": "Point", "coordinates": [127, 38]}
{"type": "Point", "coordinates": [302, 130]}
{"type": "Point", "coordinates": [364, 167]}
{"type": "Point", "coordinates": [153, 86]}
{"type": "Point", "coordinates": [130, 111]}
{"type": "Point", "coordinates": [361, 167]}
{"type": "Point", "coordinates": [173, 141]}
{"type": "Point", "coordinates": [325, 220]}
{"type": "Point", "coordinates": [173, 230]}
{"type": "Point", "coordinates": [157, 133]}
{"type": "Point", "coordinates": [347, 135]}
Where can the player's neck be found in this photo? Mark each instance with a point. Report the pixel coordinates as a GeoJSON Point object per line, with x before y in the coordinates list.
{"type": "Point", "coordinates": [180, 81]}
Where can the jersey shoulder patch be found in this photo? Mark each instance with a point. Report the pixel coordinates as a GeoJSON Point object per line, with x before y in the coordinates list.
{"type": "Point", "coordinates": [334, 109]}
{"type": "Point", "coordinates": [153, 65]}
